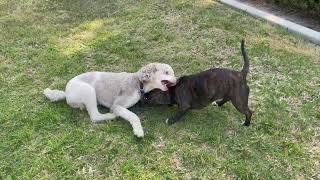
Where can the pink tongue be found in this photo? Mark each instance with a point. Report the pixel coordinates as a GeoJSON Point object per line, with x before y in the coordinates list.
{"type": "Point", "coordinates": [165, 82]}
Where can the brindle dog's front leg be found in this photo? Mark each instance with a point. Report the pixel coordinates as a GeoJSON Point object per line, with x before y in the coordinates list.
{"type": "Point", "coordinates": [177, 117]}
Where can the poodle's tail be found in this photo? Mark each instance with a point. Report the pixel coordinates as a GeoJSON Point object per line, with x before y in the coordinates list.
{"type": "Point", "coordinates": [54, 95]}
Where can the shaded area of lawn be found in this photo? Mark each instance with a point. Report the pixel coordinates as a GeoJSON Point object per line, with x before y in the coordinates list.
{"type": "Point", "coordinates": [45, 43]}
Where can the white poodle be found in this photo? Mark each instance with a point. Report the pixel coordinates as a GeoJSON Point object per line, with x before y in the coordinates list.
{"type": "Point", "coordinates": [117, 91]}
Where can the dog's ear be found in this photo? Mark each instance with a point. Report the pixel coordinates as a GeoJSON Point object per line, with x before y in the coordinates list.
{"type": "Point", "coordinates": [144, 76]}
{"type": "Point", "coordinates": [147, 72]}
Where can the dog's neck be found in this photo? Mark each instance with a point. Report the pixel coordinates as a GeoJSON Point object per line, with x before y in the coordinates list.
{"type": "Point", "coordinates": [172, 94]}
{"type": "Point", "coordinates": [139, 82]}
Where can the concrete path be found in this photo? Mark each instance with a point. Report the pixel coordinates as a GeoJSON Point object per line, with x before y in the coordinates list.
{"type": "Point", "coordinates": [305, 32]}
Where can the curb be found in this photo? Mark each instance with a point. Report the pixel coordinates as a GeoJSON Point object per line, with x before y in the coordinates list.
{"type": "Point", "coordinates": [307, 33]}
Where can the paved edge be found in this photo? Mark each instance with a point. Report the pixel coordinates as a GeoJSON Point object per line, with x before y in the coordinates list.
{"type": "Point", "coordinates": [307, 33]}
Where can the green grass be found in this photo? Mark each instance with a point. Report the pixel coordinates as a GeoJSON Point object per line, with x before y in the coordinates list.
{"type": "Point", "coordinates": [45, 43]}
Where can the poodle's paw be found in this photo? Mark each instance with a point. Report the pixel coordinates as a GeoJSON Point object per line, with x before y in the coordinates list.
{"type": "Point", "coordinates": [102, 117]}
{"type": "Point", "coordinates": [111, 116]}
{"type": "Point", "coordinates": [138, 132]}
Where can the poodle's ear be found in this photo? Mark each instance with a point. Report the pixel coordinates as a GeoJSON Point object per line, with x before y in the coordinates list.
{"type": "Point", "coordinates": [147, 72]}
{"type": "Point", "coordinates": [145, 76]}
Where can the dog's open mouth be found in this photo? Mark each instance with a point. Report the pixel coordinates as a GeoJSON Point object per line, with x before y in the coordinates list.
{"type": "Point", "coordinates": [167, 83]}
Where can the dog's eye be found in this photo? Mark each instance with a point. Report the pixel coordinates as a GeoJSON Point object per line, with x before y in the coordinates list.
{"type": "Point", "coordinates": [167, 72]}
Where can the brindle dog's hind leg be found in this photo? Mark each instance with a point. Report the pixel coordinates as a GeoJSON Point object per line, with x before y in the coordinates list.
{"type": "Point", "coordinates": [243, 108]}
{"type": "Point", "coordinates": [240, 102]}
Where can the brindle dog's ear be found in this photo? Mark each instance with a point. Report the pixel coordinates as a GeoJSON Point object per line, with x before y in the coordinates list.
{"type": "Point", "coordinates": [157, 97]}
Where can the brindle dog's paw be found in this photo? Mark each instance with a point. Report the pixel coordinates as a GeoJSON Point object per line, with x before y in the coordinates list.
{"type": "Point", "coordinates": [214, 103]}
{"type": "Point", "coordinates": [170, 121]}
{"type": "Point", "coordinates": [246, 123]}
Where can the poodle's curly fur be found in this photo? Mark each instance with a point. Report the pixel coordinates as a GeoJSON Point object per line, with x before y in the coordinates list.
{"type": "Point", "coordinates": [117, 91]}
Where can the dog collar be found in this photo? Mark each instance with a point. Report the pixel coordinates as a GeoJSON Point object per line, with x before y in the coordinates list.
{"type": "Point", "coordinates": [142, 92]}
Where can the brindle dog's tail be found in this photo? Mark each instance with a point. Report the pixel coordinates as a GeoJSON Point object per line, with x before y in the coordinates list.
{"type": "Point", "coordinates": [245, 68]}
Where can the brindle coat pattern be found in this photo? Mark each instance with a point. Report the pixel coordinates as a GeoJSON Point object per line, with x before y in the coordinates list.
{"type": "Point", "coordinates": [197, 91]}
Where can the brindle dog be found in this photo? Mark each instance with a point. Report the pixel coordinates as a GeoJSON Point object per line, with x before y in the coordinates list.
{"type": "Point", "coordinates": [197, 91]}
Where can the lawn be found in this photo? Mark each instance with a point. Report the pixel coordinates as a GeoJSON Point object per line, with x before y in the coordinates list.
{"type": "Point", "coordinates": [44, 43]}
